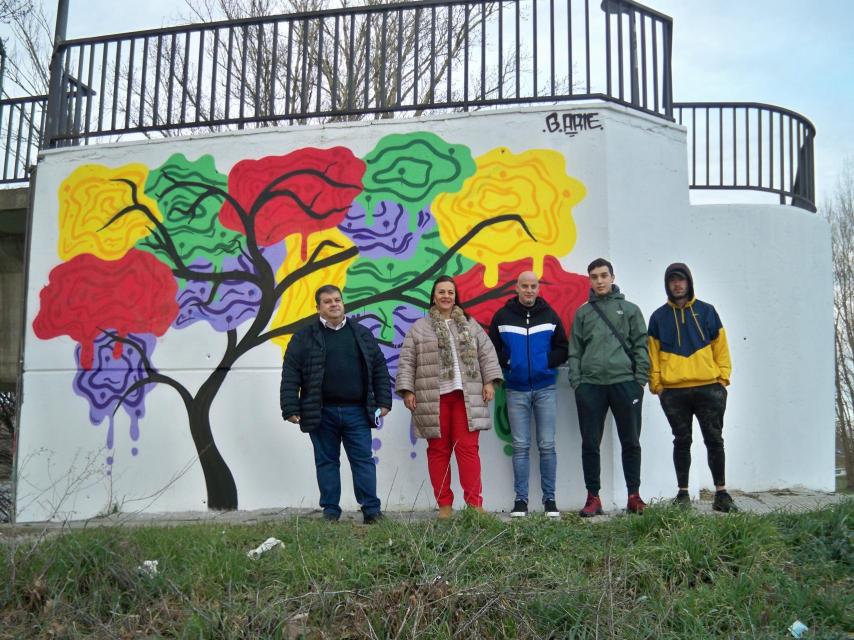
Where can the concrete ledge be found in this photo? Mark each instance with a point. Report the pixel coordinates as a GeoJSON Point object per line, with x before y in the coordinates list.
{"type": "Point", "coordinates": [757, 503]}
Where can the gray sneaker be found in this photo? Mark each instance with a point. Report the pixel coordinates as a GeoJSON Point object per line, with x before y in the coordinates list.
{"type": "Point", "coordinates": [551, 509]}
{"type": "Point", "coordinates": [520, 509]}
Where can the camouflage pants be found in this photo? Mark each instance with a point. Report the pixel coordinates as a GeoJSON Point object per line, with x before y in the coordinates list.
{"type": "Point", "coordinates": [708, 403]}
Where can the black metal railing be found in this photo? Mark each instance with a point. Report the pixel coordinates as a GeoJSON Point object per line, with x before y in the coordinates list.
{"type": "Point", "coordinates": [22, 122]}
{"type": "Point", "coordinates": [396, 60]}
{"type": "Point", "coordinates": [380, 61]}
{"type": "Point", "coordinates": [750, 146]}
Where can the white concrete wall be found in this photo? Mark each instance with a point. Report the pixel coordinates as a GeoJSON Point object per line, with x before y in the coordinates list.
{"type": "Point", "coordinates": [766, 269]}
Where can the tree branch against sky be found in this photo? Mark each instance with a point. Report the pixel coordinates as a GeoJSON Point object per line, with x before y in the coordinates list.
{"type": "Point", "coordinates": [840, 214]}
{"type": "Point", "coordinates": [318, 65]}
{"type": "Point", "coordinates": [28, 47]}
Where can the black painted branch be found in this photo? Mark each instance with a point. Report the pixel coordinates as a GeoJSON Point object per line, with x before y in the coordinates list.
{"type": "Point", "coordinates": [396, 293]}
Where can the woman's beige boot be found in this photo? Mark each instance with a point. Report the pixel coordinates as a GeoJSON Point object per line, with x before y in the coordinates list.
{"type": "Point", "coordinates": [445, 512]}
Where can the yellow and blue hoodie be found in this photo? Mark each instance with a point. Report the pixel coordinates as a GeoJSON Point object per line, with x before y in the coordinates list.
{"type": "Point", "coordinates": [687, 345]}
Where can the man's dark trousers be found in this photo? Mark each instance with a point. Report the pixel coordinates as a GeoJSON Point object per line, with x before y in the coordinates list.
{"type": "Point", "coordinates": [347, 425]}
{"type": "Point", "coordinates": [625, 399]}
{"type": "Point", "coordinates": [708, 403]}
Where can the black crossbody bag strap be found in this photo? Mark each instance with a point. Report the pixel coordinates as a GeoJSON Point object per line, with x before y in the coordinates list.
{"type": "Point", "coordinates": [616, 335]}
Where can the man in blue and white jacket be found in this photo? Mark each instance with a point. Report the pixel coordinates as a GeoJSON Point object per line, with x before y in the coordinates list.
{"type": "Point", "coordinates": [531, 343]}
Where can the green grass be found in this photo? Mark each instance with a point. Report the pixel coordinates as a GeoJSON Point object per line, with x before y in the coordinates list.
{"type": "Point", "coordinates": [667, 574]}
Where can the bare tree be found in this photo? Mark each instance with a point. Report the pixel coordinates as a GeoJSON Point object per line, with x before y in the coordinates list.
{"type": "Point", "coordinates": [11, 8]}
{"type": "Point", "coordinates": [29, 49]}
{"type": "Point", "coordinates": [7, 431]}
{"type": "Point", "coordinates": [840, 214]}
{"type": "Point", "coordinates": [341, 64]}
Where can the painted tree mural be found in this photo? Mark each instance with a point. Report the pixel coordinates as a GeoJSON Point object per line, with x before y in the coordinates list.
{"type": "Point", "coordinates": [146, 252]}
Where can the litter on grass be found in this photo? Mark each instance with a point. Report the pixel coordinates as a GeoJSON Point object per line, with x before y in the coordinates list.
{"type": "Point", "coordinates": [264, 547]}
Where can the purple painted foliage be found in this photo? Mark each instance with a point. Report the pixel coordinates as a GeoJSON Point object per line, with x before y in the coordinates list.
{"type": "Point", "coordinates": [110, 377]}
{"type": "Point", "coordinates": [391, 234]}
{"type": "Point", "coordinates": [402, 319]}
{"type": "Point", "coordinates": [391, 338]}
{"type": "Point", "coordinates": [412, 439]}
{"type": "Point", "coordinates": [235, 302]}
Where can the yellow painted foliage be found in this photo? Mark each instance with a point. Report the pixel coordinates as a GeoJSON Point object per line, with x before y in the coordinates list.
{"type": "Point", "coordinates": [533, 184]}
{"type": "Point", "coordinates": [298, 300]}
{"type": "Point", "coordinates": [92, 196]}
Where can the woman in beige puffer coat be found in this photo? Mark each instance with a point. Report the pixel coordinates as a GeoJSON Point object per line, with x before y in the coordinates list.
{"type": "Point", "coordinates": [446, 375]}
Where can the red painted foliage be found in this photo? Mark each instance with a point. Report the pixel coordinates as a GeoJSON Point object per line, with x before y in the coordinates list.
{"type": "Point", "coordinates": [87, 295]}
{"type": "Point", "coordinates": [563, 290]}
{"type": "Point", "coordinates": [303, 192]}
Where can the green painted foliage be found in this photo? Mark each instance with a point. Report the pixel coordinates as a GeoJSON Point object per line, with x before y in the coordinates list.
{"type": "Point", "coordinates": [190, 195]}
{"type": "Point", "coordinates": [412, 169]}
{"type": "Point", "coordinates": [385, 280]}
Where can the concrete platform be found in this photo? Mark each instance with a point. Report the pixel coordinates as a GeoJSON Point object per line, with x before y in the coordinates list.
{"type": "Point", "coordinates": [759, 503]}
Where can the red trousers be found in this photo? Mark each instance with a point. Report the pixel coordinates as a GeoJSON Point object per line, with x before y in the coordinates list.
{"type": "Point", "coordinates": [455, 437]}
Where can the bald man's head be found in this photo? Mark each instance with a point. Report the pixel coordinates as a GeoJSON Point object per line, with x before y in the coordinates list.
{"type": "Point", "coordinates": [527, 288]}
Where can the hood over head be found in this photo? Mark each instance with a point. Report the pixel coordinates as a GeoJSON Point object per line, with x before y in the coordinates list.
{"type": "Point", "coordinates": [682, 269]}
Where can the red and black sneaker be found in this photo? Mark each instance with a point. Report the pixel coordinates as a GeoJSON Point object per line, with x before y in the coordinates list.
{"type": "Point", "coordinates": [635, 504]}
{"type": "Point", "coordinates": [593, 507]}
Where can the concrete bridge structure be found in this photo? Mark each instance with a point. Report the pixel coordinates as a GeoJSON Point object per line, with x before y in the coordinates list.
{"type": "Point", "coordinates": [166, 276]}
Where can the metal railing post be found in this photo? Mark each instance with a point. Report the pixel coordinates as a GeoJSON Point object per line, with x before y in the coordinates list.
{"type": "Point", "coordinates": [56, 91]}
{"type": "Point", "coordinates": [667, 88]}
{"type": "Point", "coordinates": [2, 67]}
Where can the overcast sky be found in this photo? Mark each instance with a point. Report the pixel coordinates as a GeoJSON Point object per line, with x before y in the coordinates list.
{"type": "Point", "coordinates": [797, 54]}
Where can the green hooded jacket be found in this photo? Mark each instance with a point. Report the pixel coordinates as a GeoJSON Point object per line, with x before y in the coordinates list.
{"type": "Point", "coordinates": [595, 354]}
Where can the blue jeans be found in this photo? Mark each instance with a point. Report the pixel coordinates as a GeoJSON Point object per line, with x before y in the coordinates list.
{"type": "Point", "coordinates": [520, 405]}
{"type": "Point", "coordinates": [347, 425]}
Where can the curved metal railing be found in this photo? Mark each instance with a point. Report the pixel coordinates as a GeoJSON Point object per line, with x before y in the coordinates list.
{"type": "Point", "coordinates": [750, 146]}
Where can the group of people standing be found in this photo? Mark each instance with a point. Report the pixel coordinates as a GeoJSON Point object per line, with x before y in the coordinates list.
{"type": "Point", "coordinates": [336, 386]}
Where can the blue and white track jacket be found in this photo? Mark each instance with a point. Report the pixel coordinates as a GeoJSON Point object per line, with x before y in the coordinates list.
{"type": "Point", "coordinates": [530, 342]}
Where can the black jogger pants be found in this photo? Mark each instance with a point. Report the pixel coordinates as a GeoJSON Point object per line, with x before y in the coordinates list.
{"type": "Point", "coordinates": [625, 399]}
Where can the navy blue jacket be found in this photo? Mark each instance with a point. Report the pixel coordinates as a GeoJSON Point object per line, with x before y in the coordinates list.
{"type": "Point", "coordinates": [530, 343]}
{"type": "Point", "coordinates": [301, 390]}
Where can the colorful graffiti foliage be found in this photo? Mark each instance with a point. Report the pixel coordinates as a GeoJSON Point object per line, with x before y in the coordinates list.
{"type": "Point", "coordinates": [149, 251]}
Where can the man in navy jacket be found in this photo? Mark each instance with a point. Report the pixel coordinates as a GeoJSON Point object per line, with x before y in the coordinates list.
{"type": "Point", "coordinates": [531, 343]}
{"type": "Point", "coordinates": [335, 386]}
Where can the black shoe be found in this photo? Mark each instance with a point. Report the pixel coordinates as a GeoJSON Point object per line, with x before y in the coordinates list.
{"type": "Point", "coordinates": [330, 517]}
{"type": "Point", "coordinates": [550, 508]}
{"type": "Point", "coordinates": [723, 502]}
{"type": "Point", "coordinates": [682, 500]}
{"type": "Point", "coordinates": [520, 509]}
{"type": "Point", "coordinates": [374, 518]}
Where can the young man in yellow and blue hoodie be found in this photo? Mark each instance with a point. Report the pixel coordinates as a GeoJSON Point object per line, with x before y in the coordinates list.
{"type": "Point", "coordinates": [689, 371]}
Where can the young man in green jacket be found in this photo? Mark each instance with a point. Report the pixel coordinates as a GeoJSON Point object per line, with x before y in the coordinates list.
{"type": "Point", "coordinates": [608, 367]}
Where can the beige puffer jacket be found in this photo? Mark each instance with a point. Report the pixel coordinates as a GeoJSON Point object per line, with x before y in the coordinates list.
{"type": "Point", "coordinates": [418, 371]}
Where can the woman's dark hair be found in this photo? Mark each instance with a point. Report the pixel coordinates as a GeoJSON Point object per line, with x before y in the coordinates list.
{"type": "Point", "coordinates": [457, 300]}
